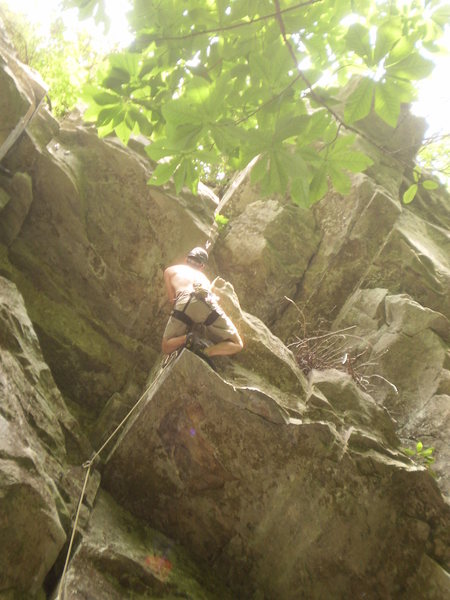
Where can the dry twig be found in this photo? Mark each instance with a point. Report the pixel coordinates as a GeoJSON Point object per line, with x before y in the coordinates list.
{"type": "Point", "coordinates": [336, 350]}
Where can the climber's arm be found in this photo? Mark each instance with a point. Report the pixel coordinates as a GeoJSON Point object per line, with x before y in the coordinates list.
{"type": "Point", "coordinates": [169, 287]}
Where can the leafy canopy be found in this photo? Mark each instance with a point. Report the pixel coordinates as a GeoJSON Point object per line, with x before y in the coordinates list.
{"type": "Point", "coordinates": [64, 65]}
{"type": "Point", "coordinates": [223, 81]}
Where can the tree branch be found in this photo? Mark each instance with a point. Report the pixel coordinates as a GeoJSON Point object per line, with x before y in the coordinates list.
{"type": "Point", "coordinates": [235, 25]}
{"type": "Point", "coordinates": [313, 94]}
{"type": "Point", "coordinates": [291, 83]}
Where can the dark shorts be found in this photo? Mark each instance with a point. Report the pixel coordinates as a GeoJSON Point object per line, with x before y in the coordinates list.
{"type": "Point", "coordinates": [198, 310]}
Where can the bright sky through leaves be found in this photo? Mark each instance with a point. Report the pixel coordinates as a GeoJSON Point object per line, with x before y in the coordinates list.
{"type": "Point", "coordinates": [219, 102]}
{"type": "Point", "coordinates": [43, 13]}
{"type": "Point", "coordinates": [434, 93]}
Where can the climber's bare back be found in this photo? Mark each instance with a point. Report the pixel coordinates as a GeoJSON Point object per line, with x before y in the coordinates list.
{"type": "Point", "coordinates": [181, 278]}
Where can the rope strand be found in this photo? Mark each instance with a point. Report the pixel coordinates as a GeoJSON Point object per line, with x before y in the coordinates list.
{"type": "Point", "coordinates": [74, 529]}
{"type": "Point", "coordinates": [89, 464]}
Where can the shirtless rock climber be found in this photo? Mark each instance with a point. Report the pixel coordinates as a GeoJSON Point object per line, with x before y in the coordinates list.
{"type": "Point", "coordinates": [194, 305]}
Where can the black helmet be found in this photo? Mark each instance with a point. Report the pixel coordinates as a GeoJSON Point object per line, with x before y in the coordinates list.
{"type": "Point", "coordinates": [199, 255]}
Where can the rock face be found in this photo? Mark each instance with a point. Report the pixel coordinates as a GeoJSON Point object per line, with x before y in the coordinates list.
{"type": "Point", "coordinates": [98, 314]}
{"type": "Point", "coordinates": [267, 247]}
{"type": "Point", "coordinates": [120, 557]}
{"type": "Point", "coordinates": [252, 481]}
{"type": "Point", "coordinates": [40, 448]}
{"type": "Point", "coordinates": [277, 503]}
{"type": "Point", "coordinates": [409, 346]}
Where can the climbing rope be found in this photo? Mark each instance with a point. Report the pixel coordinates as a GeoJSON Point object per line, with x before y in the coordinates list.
{"type": "Point", "coordinates": [74, 529]}
{"type": "Point", "coordinates": [89, 464]}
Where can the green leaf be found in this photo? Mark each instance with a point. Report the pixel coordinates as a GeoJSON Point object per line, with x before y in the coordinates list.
{"type": "Point", "coordinates": [145, 125]}
{"type": "Point", "coordinates": [123, 132]}
{"type": "Point", "coordinates": [359, 103]}
{"type": "Point", "coordinates": [115, 79]}
{"type": "Point", "coordinates": [163, 173]}
{"type": "Point", "coordinates": [200, 71]}
{"type": "Point", "coordinates": [128, 62]}
{"type": "Point", "coordinates": [401, 50]}
{"type": "Point", "coordinates": [429, 184]}
{"type": "Point", "coordinates": [185, 137]}
{"type": "Point", "coordinates": [318, 122]}
{"type": "Point", "coordinates": [300, 191]}
{"type": "Point", "coordinates": [341, 181]}
{"type": "Point", "coordinates": [419, 447]}
{"type": "Point", "coordinates": [199, 92]}
{"type": "Point", "coordinates": [290, 126]}
{"type": "Point", "coordinates": [343, 143]}
{"type": "Point", "coordinates": [278, 177]}
{"type": "Point", "coordinates": [109, 126]}
{"type": "Point", "coordinates": [180, 175]}
{"type": "Point", "coordinates": [260, 169]}
{"type": "Point", "coordinates": [351, 160]}
{"type": "Point", "coordinates": [387, 102]}
{"type": "Point", "coordinates": [295, 164]}
{"type": "Point", "coordinates": [181, 112]}
{"type": "Point", "coordinates": [92, 112]}
{"type": "Point", "coordinates": [410, 194]}
{"type": "Point", "coordinates": [278, 58]}
{"type": "Point", "coordinates": [441, 15]}
{"type": "Point", "coordinates": [221, 220]}
{"type": "Point", "coordinates": [108, 114]}
{"type": "Point", "coordinates": [104, 98]}
{"type": "Point", "coordinates": [409, 452]}
{"type": "Point", "coordinates": [245, 97]}
{"type": "Point", "coordinates": [147, 66]}
{"type": "Point", "coordinates": [310, 156]}
{"type": "Point", "coordinates": [412, 67]}
{"type": "Point", "coordinates": [226, 135]}
{"type": "Point", "coordinates": [427, 452]}
{"type": "Point", "coordinates": [358, 40]}
{"type": "Point", "coordinates": [388, 33]}
{"type": "Point", "coordinates": [192, 177]}
{"type": "Point", "coordinates": [160, 149]}
{"type": "Point", "coordinates": [319, 185]}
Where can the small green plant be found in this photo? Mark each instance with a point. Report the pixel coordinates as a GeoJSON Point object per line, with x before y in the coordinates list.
{"type": "Point", "coordinates": [419, 181]}
{"type": "Point", "coordinates": [221, 221]}
{"type": "Point", "coordinates": [421, 455]}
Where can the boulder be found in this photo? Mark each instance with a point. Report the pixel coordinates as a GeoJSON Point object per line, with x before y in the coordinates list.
{"type": "Point", "coordinates": [415, 259]}
{"type": "Point", "coordinates": [407, 345]}
{"type": "Point", "coordinates": [354, 229]}
{"type": "Point", "coordinates": [265, 251]}
{"type": "Point", "coordinates": [22, 93]}
{"type": "Point", "coordinates": [265, 358]}
{"type": "Point", "coordinates": [371, 241]}
{"type": "Point", "coordinates": [329, 498]}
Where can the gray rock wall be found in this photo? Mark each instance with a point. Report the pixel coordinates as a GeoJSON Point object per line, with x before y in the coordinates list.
{"type": "Point", "coordinates": [86, 239]}
{"type": "Point", "coordinates": [41, 449]}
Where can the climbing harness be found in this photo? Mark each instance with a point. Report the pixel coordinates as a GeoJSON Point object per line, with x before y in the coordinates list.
{"type": "Point", "coordinates": [201, 295]}
{"type": "Point", "coordinates": [89, 464]}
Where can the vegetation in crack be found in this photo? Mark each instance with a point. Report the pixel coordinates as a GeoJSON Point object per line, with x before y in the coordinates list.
{"type": "Point", "coordinates": [422, 456]}
{"type": "Point", "coordinates": [323, 348]}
